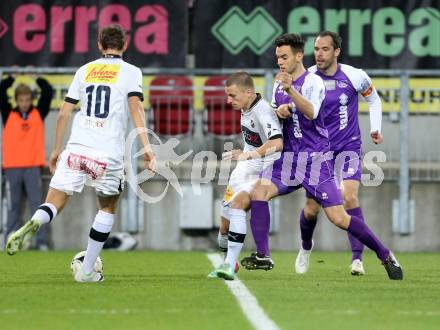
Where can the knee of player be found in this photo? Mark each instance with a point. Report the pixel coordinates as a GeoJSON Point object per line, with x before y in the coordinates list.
{"type": "Point", "coordinates": [310, 213]}
{"type": "Point", "coordinates": [339, 218]}
{"type": "Point", "coordinates": [311, 209]}
{"type": "Point", "coordinates": [262, 191]}
{"type": "Point", "coordinates": [259, 194]}
{"type": "Point", "coordinates": [351, 200]}
{"type": "Point", "coordinates": [224, 226]}
{"type": "Point", "coordinates": [242, 203]}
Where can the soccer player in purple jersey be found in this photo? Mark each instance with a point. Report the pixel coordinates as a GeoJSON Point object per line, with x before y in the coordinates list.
{"type": "Point", "coordinates": [343, 83]}
{"type": "Point", "coordinates": [304, 161]}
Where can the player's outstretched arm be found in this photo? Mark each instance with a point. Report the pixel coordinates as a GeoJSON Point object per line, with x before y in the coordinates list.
{"type": "Point", "coordinates": [138, 117]}
{"type": "Point", "coordinates": [268, 148]}
{"type": "Point", "coordinates": [63, 119]}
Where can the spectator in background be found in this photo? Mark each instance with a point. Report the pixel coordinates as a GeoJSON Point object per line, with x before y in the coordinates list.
{"type": "Point", "coordinates": [24, 150]}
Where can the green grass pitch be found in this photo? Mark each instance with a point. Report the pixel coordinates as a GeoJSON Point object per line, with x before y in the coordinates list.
{"type": "Point", "coordinates": [169, 290]}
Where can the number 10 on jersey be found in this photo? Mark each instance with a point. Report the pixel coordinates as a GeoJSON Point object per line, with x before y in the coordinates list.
{"type": "Point", "coordinates": [101, 108]}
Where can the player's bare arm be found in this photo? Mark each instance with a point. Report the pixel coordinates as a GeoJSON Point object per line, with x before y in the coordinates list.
{"type": "Point", "coordinates": [63, 120]}
{"type": "Point", "coordinates": [302, 104]}
{"type": "Point", "coordinates": [138, 117]}
{"type": "Point", "coordinates": [267, 149]}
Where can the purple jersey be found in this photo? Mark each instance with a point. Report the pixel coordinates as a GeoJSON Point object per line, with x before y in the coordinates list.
{"type": "Point", "coordinates": [341, 103]}
{"type": "Point", "coordinates": [300, 133]}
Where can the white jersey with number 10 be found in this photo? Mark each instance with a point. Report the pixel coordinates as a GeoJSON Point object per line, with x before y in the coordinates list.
{"type": "Point", "coordinates": [103, 87]}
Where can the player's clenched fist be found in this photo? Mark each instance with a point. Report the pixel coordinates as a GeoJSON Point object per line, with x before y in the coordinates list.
{"type": "Point", "coordinates": [284, 79]}
{"type": "Point", "coordinates": [376, 137]}
{"type": "Point", "coordinates": [284, 111]}
{"type": "Point", "coordinates": [150, 161]}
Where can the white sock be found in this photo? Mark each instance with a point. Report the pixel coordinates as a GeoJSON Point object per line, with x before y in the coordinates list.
{"type": "Point", "coordinates": [99, 232]}
{"type": "Point", "coordinates": [237, 234]}
{"type": "Point", "coordinates": [222, 240]}
{"type": "Point", "coordinates": [45, 213]}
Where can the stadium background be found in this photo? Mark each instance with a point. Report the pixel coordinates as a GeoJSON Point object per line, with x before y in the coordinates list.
{"type": "Point", "coordinates": [396, 42]}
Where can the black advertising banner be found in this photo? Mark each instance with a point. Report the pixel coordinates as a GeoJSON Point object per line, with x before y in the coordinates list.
{"type": "Point", "coordinates": [376, 34]}
{"type": "Point", "coordinates": [64, 33]}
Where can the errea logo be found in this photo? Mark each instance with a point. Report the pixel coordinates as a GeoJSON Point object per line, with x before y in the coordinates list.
{"type": "Point", "coordinates": [237, 30]}
{"type": "Point", "coordinates": [343, 99]}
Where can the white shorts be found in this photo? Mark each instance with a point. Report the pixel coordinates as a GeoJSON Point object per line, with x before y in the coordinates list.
{"type": "Point", "coordinates": [81, 166]}
{"type": "Point", "coordinates": [243, 178]}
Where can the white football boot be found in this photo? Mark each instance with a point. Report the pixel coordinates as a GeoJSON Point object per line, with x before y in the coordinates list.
{"type": "Point", "coordinates": [302, 261]}
{"type": "Point", "coordinates": [79, 275]}
{"type": "Point", "coordinates": [357, 267]}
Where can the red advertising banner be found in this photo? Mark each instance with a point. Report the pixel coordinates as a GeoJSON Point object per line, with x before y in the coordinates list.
{"type": "Point", "coordinates": [64, 33]}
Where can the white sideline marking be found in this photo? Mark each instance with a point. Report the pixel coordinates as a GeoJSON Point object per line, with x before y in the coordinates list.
{"type": "Point", "coordinates": [247, 301]}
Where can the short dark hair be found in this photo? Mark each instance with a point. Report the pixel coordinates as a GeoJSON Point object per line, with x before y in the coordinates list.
{"type": "Point", "coordinates": [336, 38]}
{"type": "Point", "coordinates": [291, 39]}
{"type": "Point", "coordinates": [241, 79]}
{"type": "Point", "coordinates": [112, 37]}
{"type": "Point", "coordinates": [22, 89]}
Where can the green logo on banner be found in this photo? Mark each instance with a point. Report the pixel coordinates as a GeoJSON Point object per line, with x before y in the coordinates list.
{"type": "Point", "coordinates": [236, 30]}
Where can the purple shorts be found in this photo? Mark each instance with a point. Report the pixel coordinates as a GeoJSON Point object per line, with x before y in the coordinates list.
{"type": "Point", "coordinates": [347, 164]}
{"type": "Point", "coordinates": [314, 172]}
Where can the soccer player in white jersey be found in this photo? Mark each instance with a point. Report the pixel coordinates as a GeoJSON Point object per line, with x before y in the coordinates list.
{"type": "Point", "coordinates": [262, 142]}
{"type": "Point", "coordinates": [343, 84]}
{"type": "Point", "coordinates": [108, 89]}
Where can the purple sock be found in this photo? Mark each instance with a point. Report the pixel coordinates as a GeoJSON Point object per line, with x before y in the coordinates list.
{"type": "Point", "coordinates": [307, 227]}
{"type": "Point", "coordinates": [260, 223]}
{"type": "Point", "coordinates": [356, 246]}
{"type": "Point", "coordinates": [361, 231]}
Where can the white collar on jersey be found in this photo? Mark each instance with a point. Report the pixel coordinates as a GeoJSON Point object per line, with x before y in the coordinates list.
{"type": "Point", "coordinates": [258, 98]}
